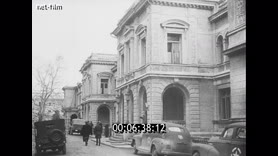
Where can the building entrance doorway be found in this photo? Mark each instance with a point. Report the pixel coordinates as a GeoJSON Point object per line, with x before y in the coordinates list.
{"type": "Point", "coordinates": [173, 104]}
{"type": "Point", "coordinates": [103, 115]}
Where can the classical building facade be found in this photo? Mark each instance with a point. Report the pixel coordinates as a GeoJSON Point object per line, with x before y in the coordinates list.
{"type": "Point", "coordinates": [182, 61]}
{"type": "Point", "coordinates": [98, 88]}
{"type": "Point", "coordinates": [72, 97]}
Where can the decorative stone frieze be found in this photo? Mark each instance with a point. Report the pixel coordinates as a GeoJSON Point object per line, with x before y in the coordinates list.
{"type": "Point", "coordinates": [183, 5]}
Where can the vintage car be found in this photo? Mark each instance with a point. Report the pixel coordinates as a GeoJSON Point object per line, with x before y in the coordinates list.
{"type": "Point", "coordinates": [231, 142]}
{"type": "Point", "coordinates": [50, 135]}
{"type": "Point", "coordinates": [76, 126]}
{"type": "Point", "coordinates": [176, 141]}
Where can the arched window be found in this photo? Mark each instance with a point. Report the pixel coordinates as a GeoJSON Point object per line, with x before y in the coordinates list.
{"type": "Point", "coordinates": [141, 32]}
{"type": "Point", "coordinates": [220, 48]}
{"type": "Point", "coordinates": [226, 46]}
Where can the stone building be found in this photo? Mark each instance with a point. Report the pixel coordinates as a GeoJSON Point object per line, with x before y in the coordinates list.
{"type": "Point", "coordinates": [98, 88]}
{"type": "Point", "coordinates": [182, 61]}
{"type": "Point", "coordinates": [72, 98]}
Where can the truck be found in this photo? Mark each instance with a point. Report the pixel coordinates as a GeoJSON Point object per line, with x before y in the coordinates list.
{"type": "Point", "coordinates": [76, 126]}
{"type": "Point", "coordinates": [50, 135]}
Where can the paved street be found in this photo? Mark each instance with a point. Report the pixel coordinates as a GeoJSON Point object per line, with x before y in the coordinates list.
{"type": "Point", "coordinates": [75, 147]}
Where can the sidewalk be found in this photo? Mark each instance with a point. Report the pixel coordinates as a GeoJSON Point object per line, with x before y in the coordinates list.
{"type": "Point", "coordinates": [106, 141]}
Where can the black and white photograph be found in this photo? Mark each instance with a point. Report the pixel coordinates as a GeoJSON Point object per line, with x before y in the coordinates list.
{"type": "Point", "coordinates": [139, 77]}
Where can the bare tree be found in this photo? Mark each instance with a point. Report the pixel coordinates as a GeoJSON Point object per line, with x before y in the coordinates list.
{"type": "Point", "coordinates": [47, 80]}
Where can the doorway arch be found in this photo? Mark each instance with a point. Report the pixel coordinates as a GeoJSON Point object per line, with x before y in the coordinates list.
{"type": "Point", "coordinates": [174, 100]}
{"type": "Point", "coordinates": [103, 113]}
{"type": "Point", "coordinates": [73, 116]}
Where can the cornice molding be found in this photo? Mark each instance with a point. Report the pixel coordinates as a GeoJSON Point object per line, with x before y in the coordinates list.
{"type": "Point", "coordinates": [237, 29]}
{"type": "Point", "coordinates": [211, 76]}
{"type": "Point", "coordinates": [103, 62]}
{"type": "Point", "coordinates": [105, 74]}
{"type": "Point", "coordinates": [236, 49]}
{"type": "Point", "coordinates": [133, 10]}
{"type": "Point", "coordinates": [140, 29]}
{"type": "Point", "coordinates": [184, 5]}
{"type": "Point", "coordinates": [219, 14]}
{"type": "Point", "coordinates": [175, 23]}
{"type": "Point", "coordinates": [128, 29]}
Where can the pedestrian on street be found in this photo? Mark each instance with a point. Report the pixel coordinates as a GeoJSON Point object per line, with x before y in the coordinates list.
{"type": "Point", "coordinates": [92, 125]}
{"type": "Point", "coordinates": [85, 132]}
{"type": "Point", "coordinates": [98, 132]}
{"type": "Point", "coordinates": [106, 130]}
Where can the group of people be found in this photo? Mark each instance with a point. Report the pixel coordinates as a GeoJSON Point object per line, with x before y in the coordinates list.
{"type": "Point", "coordinates": [87, 130]}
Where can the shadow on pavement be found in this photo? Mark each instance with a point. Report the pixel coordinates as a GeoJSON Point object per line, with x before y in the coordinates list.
{"type": "Point", "coordinates": [50, 152]}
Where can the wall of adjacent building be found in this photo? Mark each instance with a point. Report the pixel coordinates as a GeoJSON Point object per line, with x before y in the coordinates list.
{"type": "Point", "coordinates": [69, 97]}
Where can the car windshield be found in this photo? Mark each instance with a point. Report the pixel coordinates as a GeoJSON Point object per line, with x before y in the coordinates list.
{"type": "Point", "coordinates": [176, 129]}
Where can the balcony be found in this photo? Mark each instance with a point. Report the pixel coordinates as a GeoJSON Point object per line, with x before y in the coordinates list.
{"type": "Point", "coordinates": [175, 70]}
{"type": "Point", "coordinates": [167, 70]}
{"type": "Point", "coordinates": [99, 97]}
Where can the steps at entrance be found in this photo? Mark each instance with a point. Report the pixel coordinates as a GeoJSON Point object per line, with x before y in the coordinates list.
{"type": "Point", "coordinates": [117, 140]}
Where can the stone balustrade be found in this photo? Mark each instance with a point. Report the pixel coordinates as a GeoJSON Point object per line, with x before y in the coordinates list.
{"type": "Point", "coordinates": [174, 70]}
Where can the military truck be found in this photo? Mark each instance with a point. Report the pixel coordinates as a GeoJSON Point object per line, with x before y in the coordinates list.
{"type": "Point", "coordinates": [76, 126]}
{"type": "Point", "coordinates": [50, 135]}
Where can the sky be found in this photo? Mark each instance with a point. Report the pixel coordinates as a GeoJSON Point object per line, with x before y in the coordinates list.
{"type": "Point", "coordinates": [80, 28]}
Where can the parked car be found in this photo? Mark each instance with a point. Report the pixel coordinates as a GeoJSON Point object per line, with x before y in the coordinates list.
{"type": "Point", "coordinates": [76, 126]}
{"type": "Point", "coordinates": [232, 142]}
{"type": "Point", "coordinates": [176, 141]}
{"type": "Point", "coordinates": [50, 135]}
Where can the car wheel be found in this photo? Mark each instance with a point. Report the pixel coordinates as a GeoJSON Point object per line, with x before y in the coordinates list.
{"type": "Point", "coordinates": [64, 150]}
{"type": "Point", "coordinates": [154, 151]}
{"type": "Point", "coordinates": [196, 153]}
{"type": "Point", "coordinates": [56, 136]}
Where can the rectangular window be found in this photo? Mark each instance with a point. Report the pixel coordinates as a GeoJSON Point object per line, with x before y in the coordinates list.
{"type": "Point", "coordinates": [174, 48]}
{"type": "Point", "coordinates": [143, 51]}
{"type": "Point", "coordinates": [128, 57]}
{"type": "Point", "coordinates": [122, 64]}
{"type": "Point", "coordinates": [225, 103]}
{"type": "Point", "coordinates": [104, 86]}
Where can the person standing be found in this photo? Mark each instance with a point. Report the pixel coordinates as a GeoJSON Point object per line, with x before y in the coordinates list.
{"type": "Point", "coordinates": [98, 132]}
{"type": "Point", "coordinates": [85, 132]}
{"type": "Point", "coordinates": [106, 130]}
{"type": "Point", "coordinates": [56, 115]}
{"type": "Point", "coordinates": [92, 125]}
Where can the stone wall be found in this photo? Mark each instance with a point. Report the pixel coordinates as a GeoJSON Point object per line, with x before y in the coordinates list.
{"type": "Point", "coordinates": [238, 85]}
{"type": "Point", "coordinates": [207, 104]}
{"type": "Point", "coordinates": [199, 101]}
{"type": "Point", "coordinates": [69, 97]}
{"type": "Point", "coordinates": [196, 41]}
